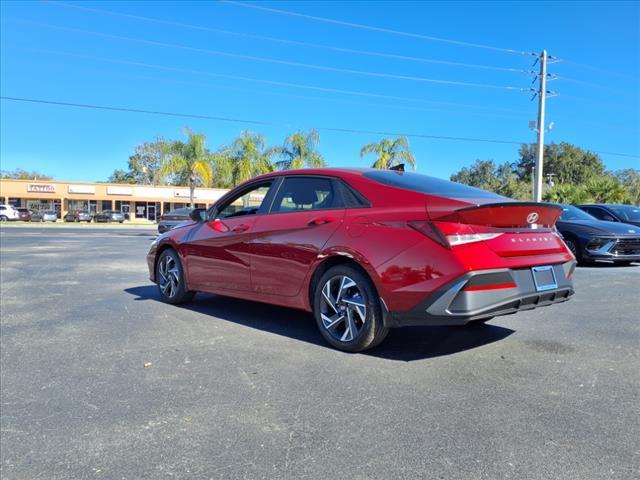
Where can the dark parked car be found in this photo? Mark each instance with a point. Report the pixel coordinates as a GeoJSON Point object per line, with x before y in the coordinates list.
{"type": "Point", "coordinates": [613, 212]}
{"type": "Point", "coordinates": [24, 214]}
{"type": "Point", "coordinates": [174, 218]}
{"type": "Point", "coordinates": [368, 250]}
{"type": "Point", "coordinates": [109, 216]}
{"type": "Point", "coordinates": [44, 216]}
{"type": "Point", "coordinates": [77, 216]}
{"type": "Point", "coordinates": [591, 239]}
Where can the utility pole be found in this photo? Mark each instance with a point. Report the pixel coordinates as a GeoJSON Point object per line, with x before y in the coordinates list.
{"type": "Point", "coordinates": [542, 97]}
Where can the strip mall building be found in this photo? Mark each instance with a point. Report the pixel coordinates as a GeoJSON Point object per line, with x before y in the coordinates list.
{"type": "Point", "coordinates": [138, 201]}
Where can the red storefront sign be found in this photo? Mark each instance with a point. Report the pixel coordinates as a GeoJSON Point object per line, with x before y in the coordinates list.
{"type": "Point", "coordinates": [41, 188]}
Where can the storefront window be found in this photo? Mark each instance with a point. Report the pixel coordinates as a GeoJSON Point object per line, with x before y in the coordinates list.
{"type": "Point", "coordinates": [141, 210]}
{"type": "Point", "coordinates": [75, 205]}
{"type": "Point", "coordinates": [106, 205]}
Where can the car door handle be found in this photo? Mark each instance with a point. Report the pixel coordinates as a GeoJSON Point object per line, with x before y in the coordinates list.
{"type": "Point", "coordinates": [240, 228]}
{"type": "Point", "coordinates": [321, 221]}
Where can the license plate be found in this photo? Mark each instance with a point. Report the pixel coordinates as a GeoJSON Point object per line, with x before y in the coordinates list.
{"type": "Point", "coordinates": [544, 278]}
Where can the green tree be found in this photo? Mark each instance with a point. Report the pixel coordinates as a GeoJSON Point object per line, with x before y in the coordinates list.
{"type": "Point", "coordinates": [300, 151]}
{"type": "Point", "coordinates": [567, 162]}
{"type": "Point", "coordinates": [146, 162]}
{"type": "Point", "coordinates": [482, 174]}
{"type": "Point", "coordinates": [567, 193]}
{"type": "Point", "coordinates": [606, 190]}
{"type": "Point", "coordinates": [121, 176]}
{"type": "Point", "coordinates": [249, 157]}
{"type": "Point", "coordinates": [144, 165]}
{"type": "Point", "coordinates": [390, 152]}
{"type": "Point", "coordinates": [630, 178]}
{"type": "Point", "coordinates": [189, 162]}
{"type": "Point", "coordinates": [20, 174]}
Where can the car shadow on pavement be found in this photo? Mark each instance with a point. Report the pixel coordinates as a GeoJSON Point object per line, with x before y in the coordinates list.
{"type": "Point", "coordinates": [403, 344]}
{"type": "Point", "coordinates": [608, 265]}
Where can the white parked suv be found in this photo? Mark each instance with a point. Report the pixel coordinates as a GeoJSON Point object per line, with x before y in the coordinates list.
{"type": "Point", "coordinates": [7, 212]}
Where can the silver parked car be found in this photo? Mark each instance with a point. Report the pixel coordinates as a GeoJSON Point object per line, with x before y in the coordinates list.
{"type": "Point", "coordinates": [109, 216]}
{"type": "Point", "coordinates": [44, 216]}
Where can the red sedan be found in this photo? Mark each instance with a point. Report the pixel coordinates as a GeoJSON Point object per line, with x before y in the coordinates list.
{"type": "Point", "coordinates": [368, 250]}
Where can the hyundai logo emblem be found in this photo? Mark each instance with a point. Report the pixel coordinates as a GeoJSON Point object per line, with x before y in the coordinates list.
{"type": "Point", "coordinates": [533, 217]}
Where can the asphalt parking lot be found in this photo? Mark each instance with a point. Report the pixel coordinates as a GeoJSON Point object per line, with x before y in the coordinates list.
{"type": "Point", "coordinates": [235, 389]}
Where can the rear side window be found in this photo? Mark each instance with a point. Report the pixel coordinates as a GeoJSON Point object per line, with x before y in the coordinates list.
{"type": "Point", "coordinates": [429, 185]}
{"type": "Point", "coordinates": [350, 197]}
{"type": "Point", "coordinates": [305, 193]}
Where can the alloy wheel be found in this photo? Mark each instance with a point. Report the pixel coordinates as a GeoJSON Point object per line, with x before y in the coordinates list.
{"type": "Point", "coordinates": [169, 276]}
{"type": "Point", "coordinates": [342, 308]}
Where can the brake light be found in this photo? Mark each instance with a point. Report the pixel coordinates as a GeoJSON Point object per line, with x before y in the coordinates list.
{"type": "Point", "coordinates": [450, 234]}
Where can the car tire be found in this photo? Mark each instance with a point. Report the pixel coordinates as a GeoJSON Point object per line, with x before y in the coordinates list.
{"type": "Point", "coordinates": [4, 218]}
{"type": "Point", "coordinates": [574, 247]}
{"type": "Point", "coordinates": [347, 309]}
{"type": "Point", "coordinates": [171, 280]}
{"type": "Point", "coordinates": [624, 262]}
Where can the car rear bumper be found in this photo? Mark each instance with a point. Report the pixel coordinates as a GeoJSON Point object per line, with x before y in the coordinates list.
{"type": "Point", "coordinates": [474, 296]}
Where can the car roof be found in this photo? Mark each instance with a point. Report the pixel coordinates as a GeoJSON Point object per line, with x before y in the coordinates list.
{"type": "Point", "coordinates": [603, 205]}
{"type": "Point", "coordinates": [333, 171]}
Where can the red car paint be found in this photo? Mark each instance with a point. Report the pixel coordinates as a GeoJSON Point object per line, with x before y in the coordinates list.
{"type": "Point", "coordinates": [399, 240]}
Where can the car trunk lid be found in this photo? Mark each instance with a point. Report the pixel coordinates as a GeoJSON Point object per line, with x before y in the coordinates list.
{"type": "Point", "coordinates": [508, 228]}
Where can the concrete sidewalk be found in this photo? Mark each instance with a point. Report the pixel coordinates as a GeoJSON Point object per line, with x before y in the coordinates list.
{"type": "Point", "coordinates": [115, 226]}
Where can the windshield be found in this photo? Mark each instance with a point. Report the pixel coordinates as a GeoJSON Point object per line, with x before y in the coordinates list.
{"type": "Point", "coordinates": [569, 212]}
{"type": "Point", "coordinates": [429, 185]}
{"type": "Point", "coordinates": [627, 212]}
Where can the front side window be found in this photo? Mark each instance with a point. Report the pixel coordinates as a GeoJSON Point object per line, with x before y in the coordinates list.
{"type": "Point", "coordinates": [305, 193]}
{"type": "Point", "coordinates": [248, 202]}
{"type": "Point", "coordinates": [599, 213]}
{"type": "Point", "coordinates": [627, 213]}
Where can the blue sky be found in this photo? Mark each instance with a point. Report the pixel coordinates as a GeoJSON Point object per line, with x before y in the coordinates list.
{"type": "Point", "coordinates": [49, 53]}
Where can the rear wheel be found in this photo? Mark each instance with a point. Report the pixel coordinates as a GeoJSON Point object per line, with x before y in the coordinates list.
{"type": "Point", "coordinates": [171, 280]}
{"type": "Point", "coordinates": [3, 218]}
{"type": "Point", "coordinates": [347, 310]}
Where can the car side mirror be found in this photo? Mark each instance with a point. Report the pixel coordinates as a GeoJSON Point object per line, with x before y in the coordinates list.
{"type": "Point", "coordinates": [197, 214]}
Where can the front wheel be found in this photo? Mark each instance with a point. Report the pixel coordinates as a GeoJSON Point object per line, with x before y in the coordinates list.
{"type": "Point", "coordinates": [574, 246]}
{"type": "Point", "coordinates": [171, 280]}
{"type": "Point", "coordinates": [347, 310]}
{"type": "Point", "coordinates": [4, 218]}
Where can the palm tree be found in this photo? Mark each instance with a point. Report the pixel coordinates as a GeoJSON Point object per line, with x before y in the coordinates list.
{"type": "Point", "coordinates": [249, 157]}
{"type": "Point", "coordinates": [390, 153]}
{"type": "Point", "coordinates": [300, 150]}
{"type": "Point", "coordinates": [190, 162]}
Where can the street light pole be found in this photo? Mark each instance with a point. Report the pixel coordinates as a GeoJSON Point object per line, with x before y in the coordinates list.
{"type": "Point", "coordinates": [542, 97]}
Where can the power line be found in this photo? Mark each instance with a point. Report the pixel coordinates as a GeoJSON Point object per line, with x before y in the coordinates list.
{"type": "Point", "coordinates": [393, 106]}
{"type": "Point", "coordinates": [288, 62]}
{"type": "Point", "coordinates": [412, 35]}
{"type": "Point", "coordinates": [289, 41]}
{"type": "Point", "coordinates": [260, 122]}
{"type": "Point", "coordinates": [601, 70]}
{"type": "Point", "coordinates": [247, 121]}
{"type": "Point", "coordinates": [271, 82]}
{"type": "Point", "coordinates": [374, 28]}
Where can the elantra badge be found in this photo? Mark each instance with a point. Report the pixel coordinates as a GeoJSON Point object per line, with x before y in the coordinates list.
{"type": "Point", "coordinates": [533, 217]}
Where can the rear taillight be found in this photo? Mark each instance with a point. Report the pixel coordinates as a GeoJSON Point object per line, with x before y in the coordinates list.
{"type": "Point", "coordinates": [449, 234]}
